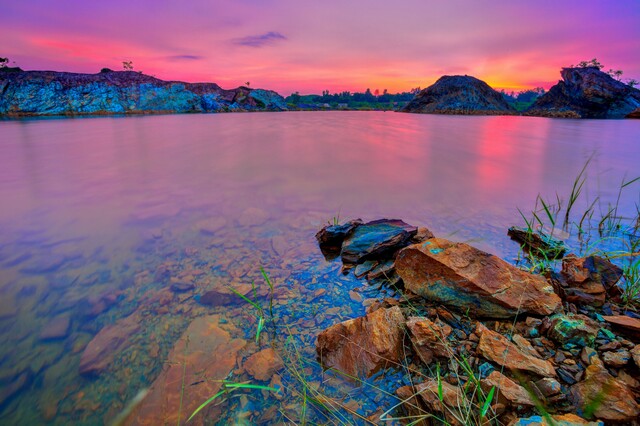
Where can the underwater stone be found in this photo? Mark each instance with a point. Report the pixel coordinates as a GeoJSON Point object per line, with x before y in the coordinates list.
{"type": "Point", "coordinates": [262, 365]}
{"type": "Point", "coordinates": [459, 275]}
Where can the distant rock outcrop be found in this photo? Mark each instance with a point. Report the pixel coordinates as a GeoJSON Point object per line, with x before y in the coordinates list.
{"type": "Point", "coordinates": [459, 94]}
{"type": "Point", "coordinates": [32, 93]}
{"type": "Point", "coordinates": [587, 93]}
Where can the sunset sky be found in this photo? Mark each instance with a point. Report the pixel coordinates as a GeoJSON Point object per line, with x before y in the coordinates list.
{"type": "Point", "coordinates": [336, 45]}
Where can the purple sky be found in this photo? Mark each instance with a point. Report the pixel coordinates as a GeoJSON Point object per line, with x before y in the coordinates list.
{"type": "Point", "coordinates": [336, 45]}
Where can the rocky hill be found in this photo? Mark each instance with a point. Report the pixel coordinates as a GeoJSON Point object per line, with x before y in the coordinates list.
{"type": "Point", "coordinates": [33, 93]}
{"type": "Point", "coordinates": [459, 94]}
{"type": "Point", "coordinates": [587, 93]}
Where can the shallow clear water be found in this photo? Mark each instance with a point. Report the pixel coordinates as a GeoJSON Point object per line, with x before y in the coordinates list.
{"type": "Point", "coordinates": [100, 216]}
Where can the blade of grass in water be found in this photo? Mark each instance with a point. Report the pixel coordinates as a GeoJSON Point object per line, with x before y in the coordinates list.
{"type": "Point", "coordinates": [225, 389]}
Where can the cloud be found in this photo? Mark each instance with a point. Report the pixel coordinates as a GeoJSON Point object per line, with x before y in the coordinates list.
{"type": "Point", "coordinates": [259, 40]}
{"type": "Point", "coordinates": [185, 57]}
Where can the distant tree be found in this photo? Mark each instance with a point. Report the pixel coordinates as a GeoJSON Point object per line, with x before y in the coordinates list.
{"type": "Point", "coordinates": [104, 70]}
{"type": "Point", "coordinates": [127, 65]}
{"type": "Point", "coordinates": [617, 74]}
{"type": "Point", "coordinates": [376, 92]}
{"type": "Point", "coordinates": [631, 82]}
{"type": "Point", "coordinates": [247, 83]}
{"type": "Point", "coordinates": [586, 64]}
{"type": "Point", "coordinates": [295, 98]}
{"type": "Point", "coordinates": [4, 62]}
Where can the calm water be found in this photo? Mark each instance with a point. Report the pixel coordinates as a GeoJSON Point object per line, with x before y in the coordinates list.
{"type": "Point", "coordinates": [101, 216]}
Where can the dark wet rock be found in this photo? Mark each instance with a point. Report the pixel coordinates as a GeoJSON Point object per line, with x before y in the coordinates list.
{"type": "Point", "coordinates": [125, 92]}
{"type": "Point", "coordinates": [631, 325]}
{"type": "Point", "coordinates": [498, 349]}
{"type": "Point", "coordinates": [375, 240]}
{"type": "Point", "coordinates": [218, 297]}
{"type": "Point", "coordinates": [460, 275]}
{"type": "Point", "coordinates": [429, 338]}
{"type": "Point", "coordinates": [58, 328]}
{"type": "Point", "coordinates": [573, 329]}
{"type": "Point", "coordinates": [363, 268]}
{"type": "Point", "coordinates": [362, 346]}
{"type": "Point", "coordinates": [382, 270]}
{"type": "Point", "coordinates": [605, 396]}
{"type": "Point", "coordinates": [507, 390]}
{"type": "Point", "coordinates": [566, 376]}
{"type": "Point", "coordinates": [459, 94]}
{"type": "Point", "coordinates": [538, 242]}
{"type": "Point", "coordinates": [558, 420]}
{"type": "Point", "coordinates": [202, 358]}
{"type": "Point", "coordinates": [262, 365]}
{"type": "Point", "coordinates": [8, 390]}
{"type": "Point", "coordinates": [330, 237]}
{"type": "Point", "coordinates": [587, 93]}
{"type": "Point", "coordinates": [616, 359]}
{"type": "Point", "coordinates": [634, 114]}
{"type": "Point", "coordinates": [102, 349]}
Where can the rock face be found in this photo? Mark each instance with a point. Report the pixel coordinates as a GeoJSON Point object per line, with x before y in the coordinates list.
{"type": "Point", "coordinates": [31, 93]}
{"type": "Point", "coordinates": [205, 354]}
{"type": "Point", "coordinates": [459, 275]}
{"type": "Point", "coordinates": [362, 346]}
{"type": "Point", "coordinates": [459, 94]}
{"type": "Point", "coordinates": [587, 93]}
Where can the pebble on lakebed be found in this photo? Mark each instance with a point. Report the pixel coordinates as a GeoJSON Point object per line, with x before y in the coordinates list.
{"type": "Point", "coordinates": [561, 341]}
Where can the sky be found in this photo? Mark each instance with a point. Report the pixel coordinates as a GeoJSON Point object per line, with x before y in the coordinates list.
{"type": "Point", "coordinates": [336, 45]}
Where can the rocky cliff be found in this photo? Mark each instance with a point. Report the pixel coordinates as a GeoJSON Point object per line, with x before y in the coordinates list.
{"type": "Point", "coordinates": [32, 93]}
{"type": "Point", "coordinates": [587, 93]}
{"type": "Point", "coordinates": [459, 94]}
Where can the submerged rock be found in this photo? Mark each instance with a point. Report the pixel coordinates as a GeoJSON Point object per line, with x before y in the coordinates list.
{"type": "Point", "coordinates": [498, 349]}
{"type": "Point", "coordinates": [460, 275]}
{"type": "Point", "coordinates": [362, 346]}
{"type": "Point", "coordinates": [102, 349]}
{"type": "Point", "coordinates": [57, 328]}
{"type": "Point", "coordinates": [587, 93]}
{"type": "Point", "coordinates": [376, 239]}
{"type": "Point", "coordinates": [8, 390]}
{"type": "Point", "coordinates": [262, 365]}
{"type": "Point", "coordinates": [459, 94]}
{"type": "Point", "coordinates": [538, 243]}
{"type": "Point", "coordinates": [604, 396]}
{"type": "Point", "coordinates": [202, 358]}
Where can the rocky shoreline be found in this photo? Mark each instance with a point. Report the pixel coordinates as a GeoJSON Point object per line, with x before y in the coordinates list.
{"type": "Point", "coordinates": [559, 346]}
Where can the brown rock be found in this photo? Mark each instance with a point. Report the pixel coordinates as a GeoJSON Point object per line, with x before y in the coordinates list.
{"type": "Point", "coordinates": [202, 358]}
{"type": "Point", "coordinates": [429, 338]}
{"type": "Point", "coordinates": [548, 387]}
{"type": "Point", "coordinates": [102, 349]}
{"type": "Point", "coordinates": [362, 346]}
{"type": "Point", "coordinates": [616, 359]}
{"type": "Point", "coordinates": [592, 276]}
{"type": "Point", "coordinates": [57, 328]}
{"type": "Point", "coordinates": [604, 396]}
{"type": "Point", "coordinates": [459, 275]}
{"type": "Point", "coordinates": [452, 397]}
{"type": "Point", "coordinates": [507, 389]}
{"type": "Point", "coordinates": [635, 353]}
{"type": "Point", "coordinates": [630, 324]}
{"type": "Point", "coordinates": [422, 235]}
{"type": "Point", "coordinates": [498, 349]}
{"type": "Point", "coordinates": [412, 404]}
{"type": "Point", "coordinates": [262, 365]}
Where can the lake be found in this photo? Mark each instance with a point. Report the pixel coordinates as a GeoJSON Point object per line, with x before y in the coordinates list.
{"type": "Point", "coordinates": [132, 220]}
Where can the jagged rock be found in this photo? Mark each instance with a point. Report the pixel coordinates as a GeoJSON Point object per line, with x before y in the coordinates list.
{"type": "Point", "coordinates": [376, 239]}
{"type": "Point", "coordinates": [558, 420]}
{"type": "Point", "coordinates": [363, 268]}
{"type": "Point", "coordinates": [507, 389]}
{"type": "Point", "coordinates": [262, 365]}
{"type": "Point", "coordinates": [422, 235]}
{"type": "Point", "coordinates": [102, 349]}
{"type": "Point", "coordinates": [604, 396]}
{"type": "Point", "coordinates": [382, 270]}
{"type": "Point", "coordinates": [460, 275]}
{"type": "Point", "coordinates": [587, 93]}
{"type": "Point", "coordinates": [538, 242]}
{"type": "Point", "coordinates": [452, 397]}
{"type": "Point", "coordinates": [498, 349]}
{"type": "Point", "coordinates": [330, 237]}
{"type": "Point", "coordinates": [573, 329]}
{"type": "Point", "coordinates": [58, 328]}
{"type": "Point", "coordinates": [589, 279]}
{"type": "Point", "coordinates": [629, 324]}
{"type": "Point", "coordinates": [204, 355]}
{"type": "Point", "coordinates": [458, 94]}
{"type": "Point", "coordinates": [362, 346]}
{"type": "Point", "coordinates": [429, 338]}
{"type": "Point", "coordinates": [125, 92]}
{"type": "Point", "coordinates": [548, 387]}
{"type": "Point", "coordinates": [616, 359]}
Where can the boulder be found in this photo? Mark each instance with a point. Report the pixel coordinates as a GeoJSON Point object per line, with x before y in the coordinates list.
{"type": "Point", "coordinates": [262, 365]}
{"type": "Point", "coordinates": [604, 396]}
{"type": "Point", "coordinates": [459, 94]}
{"type": "Point", "coordinates": [376, 240]}
{"type": "Point", "coordinates": [506, 389]}
{"type": "Point", "coordinates": [573, 329]}
{"type": "Point", "coordinates": [537, 242]}
{"type": "Point", "coordinates": [462, 276]}
{"type": "Point", "coordinates": [587, 93]}
{"type": "Point", "coordinates": [429, 338]}
{"type": "Point", "coordinates": [362, 346]}
{"type": "Point", "coordinates": [202, 358]}
{"type": "Point", "coordinates": [498, 349]}
{"type": "Point", "coordinates": [102, 349]}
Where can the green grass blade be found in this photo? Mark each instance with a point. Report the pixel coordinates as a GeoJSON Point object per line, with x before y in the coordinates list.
{"type": "Point", "coordinates": [260, 327]}
{"type": "Point", "coordinates": [204, 404]}
{"type": "Point", "coordinates": [245, 298]}
{"type": "Point", "coordinates": [487, 402]}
